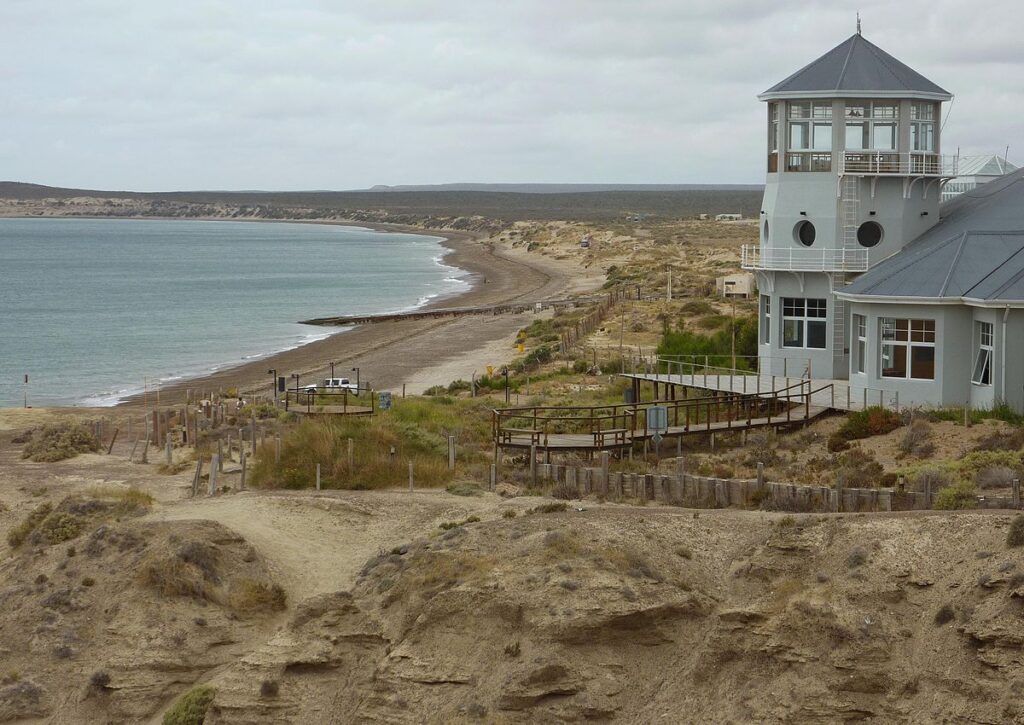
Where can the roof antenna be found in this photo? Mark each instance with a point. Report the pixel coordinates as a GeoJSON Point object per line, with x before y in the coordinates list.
{"type": "Point", "coordinates": [858, 23]}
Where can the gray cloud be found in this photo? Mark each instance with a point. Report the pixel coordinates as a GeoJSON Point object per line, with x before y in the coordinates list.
{"type": "Point", "coordinates": [343, 94]}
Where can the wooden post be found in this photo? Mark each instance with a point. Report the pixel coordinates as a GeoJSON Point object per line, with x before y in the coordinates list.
{"type": "Point", "coordinates": [839, 494]}
{"type": "Point", "coordinates": [214, 467]}
{"type": "Point", "coordinates": [927, 493]}
{"type": "Point", "coordinates": [242, 457]}
{"type": "Point", "coordinates": [131, 456]}
{"type": "Point", "coordinates": [197, 477]}
{"type": "Point", "coordinates": [760, 476]}
{"type": "Point", "coordinates": [533, 466]}
{"type": "Point", "coordinates": [451, 453]}
{"type": "Point", "coordinates": [494, 477]}
{"type": "Point", "coordinates": [252, 434]}
{"type": "Point", "coordinates": [318, 477]}
{"type": "Point", "coordinates": [113, 438]}
{"type": "Point", "coordinates": [410, 476]}
{"type": "Point", "coordinates": [1016, 493]}
{"type": "Point", "coordinates": [167, 449]}
{"type": "Point", "coordinates": [277, 449]}
{"type": "Point", "coordinates": [145, 447]}
{"type": "Point", "coordinates": [220, 455]}
{"type": "Point", "coordinates": [351, 456]}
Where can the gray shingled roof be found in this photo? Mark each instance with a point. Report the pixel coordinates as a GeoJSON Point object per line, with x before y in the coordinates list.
{"type": "Point", "coordinates": [856, 68]}
{"type": "Point", "coordinates": [976, 252]}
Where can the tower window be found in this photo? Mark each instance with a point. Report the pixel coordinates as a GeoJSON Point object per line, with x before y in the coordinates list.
{"type": "Point", "coordinates": [869, 234]}
{"type": "Point", "coordinates": [804, 322]}
{"type": "Point", "coordinates": [804, 233]}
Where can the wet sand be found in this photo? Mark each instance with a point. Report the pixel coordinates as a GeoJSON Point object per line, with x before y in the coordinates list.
{"type": "Point", "coordinates": [390, 354]}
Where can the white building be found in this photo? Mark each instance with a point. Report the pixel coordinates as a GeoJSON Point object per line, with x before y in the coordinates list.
{"type": "Point", "coordinates": [860, 280]}
{"type": "Point", "coordinates": [739, 285]}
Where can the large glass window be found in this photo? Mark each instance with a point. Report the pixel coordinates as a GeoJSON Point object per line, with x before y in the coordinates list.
{"type": "Point", "coordinates": [908, 348]}
{"type": "Point", "coordinates": [871, 125]}
{"type": "Point", "coordinates": [810, 126]}
{"type": "Point", "coordinates": [983, 358]}
{"type": "Point", "coordinates": [773, 126]}
{"type": "Point", "coordinates": [766, 319]}
{"type": "Point", "coordinates": [804, 322]}
{"type": "Point", "coordinates": [860, 347]}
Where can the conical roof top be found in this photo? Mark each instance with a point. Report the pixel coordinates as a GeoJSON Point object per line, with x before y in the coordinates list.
{"type": "Point", "coordinates": [856, 68]}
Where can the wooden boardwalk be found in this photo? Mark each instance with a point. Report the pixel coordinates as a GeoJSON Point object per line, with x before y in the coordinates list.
{"type": "Point", "coordinates": [616, 427]}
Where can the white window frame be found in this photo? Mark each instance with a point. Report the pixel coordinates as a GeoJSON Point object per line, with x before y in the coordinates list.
{"type": "Point", "coordinates": [860, 345]}
{"type": "Point", "coordinates": [766, 320]}
{"type": "Point", "coordinates": [812, 116]}
{"type": "Point", "coordinates": [985, 346]}
{"type": "Point", "coordinates": [804, 312]}
{"type": "Point", "coordinates": [872, 113]}
{"type": "Point", "coordinates": [916, 337]}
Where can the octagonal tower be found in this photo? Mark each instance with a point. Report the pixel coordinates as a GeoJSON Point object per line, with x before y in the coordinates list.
{"type": "Point", "coordinates": [854, 173]}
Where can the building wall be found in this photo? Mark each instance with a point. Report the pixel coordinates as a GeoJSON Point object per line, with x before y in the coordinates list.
{"type": "Point", "coordinates": [794, 362]}
{"type": "Point", "coordinates": [956, 349]}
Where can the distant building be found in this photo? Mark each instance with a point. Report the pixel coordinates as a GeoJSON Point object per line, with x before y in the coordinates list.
{"type": "Point", "coordinates": [973, 171]}
{"type": "Point", "coordinates": [703, 217]}
{"type": "Point", "coordinates": [738, 286]}
{"type": "Point", "coordinates": [728, 217]}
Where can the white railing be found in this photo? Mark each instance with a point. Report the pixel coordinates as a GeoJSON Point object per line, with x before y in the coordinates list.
{"type": "Point", "coordinates": [804, 260]}
{"type": "Point", "coordinates": [893, 163]}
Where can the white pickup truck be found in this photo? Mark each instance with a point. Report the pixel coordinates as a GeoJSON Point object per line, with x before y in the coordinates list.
{"type": "Point", "coordinates": [332, 384]}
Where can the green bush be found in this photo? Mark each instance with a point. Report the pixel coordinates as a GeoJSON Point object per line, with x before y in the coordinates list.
{"type": "Point", "coordinates": [962, 495]}
{"type": "Point", "coordinates": [865, 423]}
{"type": "Point", "coordinates": [190, 708]}
{"type": "Point", "coordinates": [716, 346]}
{"type": "Point", "coordinates": [60, 441]}
{"type": "Point", "coordinates": [16, 536]}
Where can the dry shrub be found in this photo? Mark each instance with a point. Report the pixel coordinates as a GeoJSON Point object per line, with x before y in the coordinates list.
{"type": "Point", "coordinates": [995, 477]}
{"type": "Point", "coordinates": [917, 440]}
{"type": "Point", "coordinates": [859, 469]}
{"type": "Point", "coordinates": [858, 556]}
{"type": "Point", "coordinates": [631, 562]}
{"type": "Point", "coordinates": [931, 478]}
{"type": "Point", "coordinates": [59, 441]}
{"type": "Point", "coordinates": [864, 424]}
{"type": "Point", "coordinates": [60, 527]}
{"type": "Point", "coordinates": [548, 508]}
{"type": "Point", "coordinates": [560, 544]}
{"type": "Point", "coordinates": [1011, 440]}
{"type": "Point", "coordinates": [565, 491]}
{"type": "Point", "coordinates": [250, 595]}
{"type": "Point", "coordinates": [17, 535]}
{"type": "Point", "coordinates": [1015, 536]}
{"type": "Point", "coordinates": [172, 577]}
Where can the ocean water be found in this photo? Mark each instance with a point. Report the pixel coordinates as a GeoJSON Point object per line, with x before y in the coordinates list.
{"type": "Point", "coordinates": [94, 310]}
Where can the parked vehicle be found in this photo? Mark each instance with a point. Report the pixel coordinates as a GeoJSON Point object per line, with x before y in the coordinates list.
{"type": "Point", "coordinates": [333, 384]}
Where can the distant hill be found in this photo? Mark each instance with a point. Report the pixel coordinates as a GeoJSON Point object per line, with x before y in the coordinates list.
{"type": "Point", "coordinates": [566, 188]}
{"type": "Point", "coordinates": [595, 204]}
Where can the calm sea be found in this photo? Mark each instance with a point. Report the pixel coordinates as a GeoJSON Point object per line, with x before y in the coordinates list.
{"type": "Point", "coordinates": [94, 310]}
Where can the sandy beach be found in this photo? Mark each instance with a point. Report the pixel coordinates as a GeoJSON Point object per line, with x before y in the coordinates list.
{"type": "Point", "coordinates": [418, 353]}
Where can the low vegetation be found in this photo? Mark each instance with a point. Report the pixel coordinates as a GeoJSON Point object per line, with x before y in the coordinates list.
{"type": "Point", "coordinates": [60, 441]}
{"type": "Point", "coordinates": [861, 424]}
{"type": "Point", "coordinates": [1015, 536]}
{"type": "Point", "coordinates": [961, 495]}
{"type": "Point", "coordinates": [190, 708]}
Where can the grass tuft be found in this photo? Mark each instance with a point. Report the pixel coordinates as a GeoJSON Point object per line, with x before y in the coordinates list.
{"type": "Point", "coordinates": [190, 708]}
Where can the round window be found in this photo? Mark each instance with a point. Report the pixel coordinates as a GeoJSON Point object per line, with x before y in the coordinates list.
{"type": "Point", "coordinates": [804, 233]}
{"type": "Point", "coordinates": [869, 234]}
{"type": "Point", "coordinates": [766, 230]}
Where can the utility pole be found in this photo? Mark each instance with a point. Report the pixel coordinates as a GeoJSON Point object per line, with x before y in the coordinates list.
{"type": "Point", "coordinates": [26, 390]}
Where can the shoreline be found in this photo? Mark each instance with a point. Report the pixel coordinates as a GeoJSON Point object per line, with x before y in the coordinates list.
{"type": "Point", "coordinates": [393, 354]}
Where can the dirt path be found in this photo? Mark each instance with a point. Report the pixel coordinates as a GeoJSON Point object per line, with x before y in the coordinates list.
{"type": "Point", "coordinates": [317, 543]}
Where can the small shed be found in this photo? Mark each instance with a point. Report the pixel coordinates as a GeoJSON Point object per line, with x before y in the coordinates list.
{"type": "Point", "coordinates": [728, 217]}
{"type": "Point", "coordinates": [740, 285]}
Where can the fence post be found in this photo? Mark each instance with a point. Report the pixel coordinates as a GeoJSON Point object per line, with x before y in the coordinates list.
{"type": "Point", "coordinates": [220, 455]}
{"type": "Point", "coordinates": [242, 457]}
{"type": "Point", "coordinates": [318, 477]}
{"type": "Point", "coordinates": [494, 477]}
{"type": "Point", "coordinates": [167, 449]}
{"type": "Point", "coordinates": [410, 475]}
{"type": "Point", "coordinates": [533, 466]}
{"type": "Point", "coordinates": [277, 449]}
{"type": "Point", "coordinates": [351, 457]}
{"type": "Point", "coordinates": [214, 467]}
{"type": "Point", "coordinates": [451, 453]}
{"type": "Point", "coordinates": [605, 461]}
{"type": "Point", "coordinates": [197, 477]}
{"type": "Point", "coordinates": [1016, 493]}
{"type": "Point", "coordinates": [760, 476]}
{"type": "Point", "coordinates": [839, 494]}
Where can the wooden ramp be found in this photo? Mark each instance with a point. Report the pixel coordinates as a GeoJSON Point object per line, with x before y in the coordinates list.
{"type": "Point", "coordinates": [614, 427]}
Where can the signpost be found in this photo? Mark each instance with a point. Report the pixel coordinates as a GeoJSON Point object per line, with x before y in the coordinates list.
{"type": "Point", "coordinates": [657, 423]}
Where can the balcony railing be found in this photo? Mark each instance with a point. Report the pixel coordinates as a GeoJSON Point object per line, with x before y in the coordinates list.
{"type": "Point", "coordinates": [804, 260]}
{"type": "Point", "coordinates": [894, 163]}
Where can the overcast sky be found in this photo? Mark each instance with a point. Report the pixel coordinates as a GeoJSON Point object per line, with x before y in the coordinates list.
{"type": "Point", "coordinates": [314, 94]}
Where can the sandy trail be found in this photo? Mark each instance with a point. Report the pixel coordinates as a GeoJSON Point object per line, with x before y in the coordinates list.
{"type": "Point", "coordinates": [317, 543]}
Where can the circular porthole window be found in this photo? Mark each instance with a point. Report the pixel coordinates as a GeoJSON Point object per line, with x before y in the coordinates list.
{"type": "Point", "coordinates": [804, 233]}
{"type": "Point", "coordinates": [869, 234]}
{"type": "Point", "coordinates": [766, 230]}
